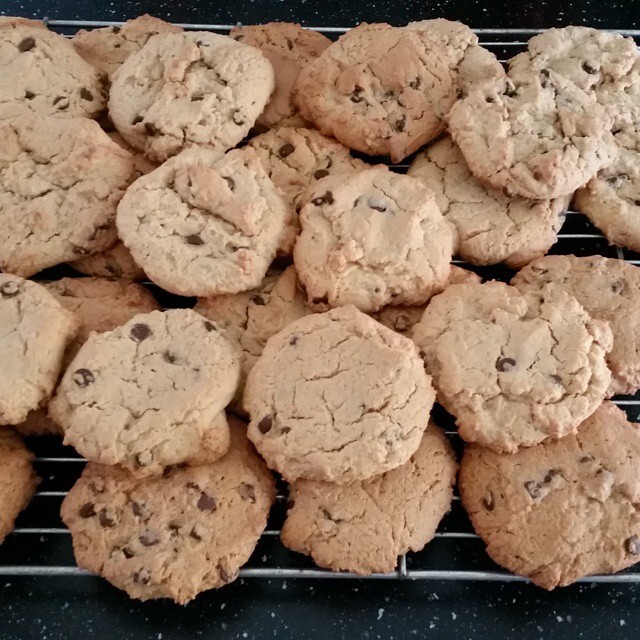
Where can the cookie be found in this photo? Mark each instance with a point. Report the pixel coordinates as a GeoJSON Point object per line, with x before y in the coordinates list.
{"type": "Point", "coordinates": [609, 290]}
{"type": "Point", "coordinates": [514, 369]}
{"type": "Point", "coordinates": [116, 261]}
{"type": "Point", "coordinates": [18, 481]}
{"type": "Point", "coordinates": [288, 47]}
{"type": "Point", "coordinates": [563, 510]}
{"type": "Point", "coordinates": [142, 164]}
{"type": "Point", "coordinates": [35, 332]}
{"type": "Point", "coordinates": [204, 224]}
{"type": "Point", "coordinates": [107, 48]}
{"type": "Point", "coordinates": [41, 72]}
{"type": "Point", "coordinates": [371, 239]}
{"type": "Point", "coordinates": [38, 423]}
{"type": "Point", "coordinates": [60, 183]}
{"type": "Point", "coordinates": [611, 199]}
{"type": "Point", "coordinates": [176, 535]}
{"type": "Point", "coordinates": [147, 394]}
{"type": "Point", "coordinates": [189, 89]}
{"type": "Point", "coordinates": [490, 226]}
{"type": "Point", "coordinates": [364, 526]}
{"type": "Point", "coordinates": [337, 397]}
{"type": "Point", "coordinates": [538, 136]}
{"type": "Point", "coordinates": [252, 317]}
{"type": "Point", "coordinates": [379, 89]}
{"type": "Point", "coordinates": [295, 158]}
{"type": "Point", "coordinates": [13, 22]}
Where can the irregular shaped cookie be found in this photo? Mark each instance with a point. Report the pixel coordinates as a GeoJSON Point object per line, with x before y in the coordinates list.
{"type": "Point", "coordinates": [514, 369]}
{"type": "Point", "coordinates": [189, 89]}
{"type": "Point", "coordinates": [364, 526]}
{"type": "Point", "coordinates": [534, 135]}
{"type": "Point", "coordinates": [295, 158]}
{"type": "Point", "coordinates": [288, 47]}
{"type": "Point", "coordinates": [18, 481]}
{"type": "Point", "coordinates": [491, 227]}
{"type": "Point", "coordinates": [203, 224]}
{"type": "Point", "coordinates": [563, 510]}
{"type": "Point", "coordinates": [147, 394]}
{"type": "Point", "coordinates": [370, 239]}
{"type": "Point", "coordinates": [252, 317]}
{"type": "Point", "coordinates": [337, 397]}
{"type": "Point", "coordinates": [41, 72]}
{"type": "Point", "coordinates": [60, 183]}
{"type": "Point", "coordinates": [609, 290]}
{"type": "Point", "coordinates": [116, 261]}
{"type": "Point", "coordinates": [175, 535]}
{"type": "Point", "coordinates": [34, 332]}
{"type": "Point", "coordinates": [107, 48]}
{"type": "Point", "coordinates": [379, 89]}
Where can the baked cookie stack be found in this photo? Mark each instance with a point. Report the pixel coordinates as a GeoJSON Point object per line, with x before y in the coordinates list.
{"type": "Point", "coordinates": [244, 171]}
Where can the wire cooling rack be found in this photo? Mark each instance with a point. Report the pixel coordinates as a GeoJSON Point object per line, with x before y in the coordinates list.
{"type": "Point", "coordinates": [41, 545]}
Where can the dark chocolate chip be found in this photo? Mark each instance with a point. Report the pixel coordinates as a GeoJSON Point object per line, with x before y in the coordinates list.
{"type": "Point", "coordinates": [510, 90]}
{"type": "Point", "coordinates": [327, 198]}
{"type": "Point", "coordinates": [195, 535]}
{"type": "Point", "coordinates": [238, 118]}
{"type": "Point", "coordinates": [637, 203]}
{"type": "Point", "coordinates": [207, 502]}
{"type": "Point", "coordinates": [142, 577]}
{"type": "Point", "coordinates": [128, 554]}
{"type": "Point", "coordinates": [115, 29]}
{"type": "Point", "coordinates": [29, 95]}
{"type": "Point", "coordinates": [193, 485]}
{"type": "Point", "coordinates": [586, 459]}
{"type": "Point", "coordinates": [105, 520]}
{"type": "Point", "coordinates": [151, 129]}
{"type": "Point", "coordinates": [587, 68]}
{"type": "Point", "coordinates": [195, 240]}
{"type": "Point", "coordinates": [326, 514]}
{"type": "Point", "coordinates": [289, 44]}
{"type": "Point", "coordinates": [355, 94]}
{"type": "Point", "coordinates": [402, 323]}
{"type": "Point", "coordinates": [505, 364]}
{"type": "Point", "coordinates": [533, 489]}
{"type": "Point", "coordinates": [197, 98]}
{"type": "Point", "coordinates": [238, 37]}
{"type": "Point", "coordinates": [10, 289]}
{"type": "Point", "coordinates": [87, 510]}
{"type": "Point", "coordinates": [617, 286]}
{"type": "Point", "coordinates": [27, 44]}
{"type": "Point", "coordinates": [168, 357]}
{"type": "Point", "coordinates": [415, 84]}
{"type": "Point", "coordinates": [632, 545]}
{"type": "Point", "coordinates": [83, 377]}
{"type": "Point", "coordinates": [293, 340]}
{"type": "Point", "coordinates": [149, 539]}
{"type": "Point", "coordinates": [264, 426]}
{"type": "Point", "coordinates": [140, 332]}
{"type": "Point", "coordinates": [230, 182]}
{"type": "Point", "coordinates": [137, 120]}
{"type": "Point", "coordinates": [247, 492]}
{"type": "Point", "coordinates": [400, 123]}
{"type": "Point", "coordinates": [209, 326]}
{"type": "Point", "coordinates": [320, 173]}
{"type": "Point", "coordinates": [490, 99]}
{"type": "Point", "coordinates": [286, 150]}
{"type": "Point", "coordinates": [85, 94]}
{"type": "Point", "coordinates": [138, 509]}
{"type": "Point", "coordinates": [551, 474]}
{"type": "Point", "coordinates": [321, 300]}
{"type": "Point", "coordinates": [488, 502]}
{"type": "Point", "coordinates": [258, 300]}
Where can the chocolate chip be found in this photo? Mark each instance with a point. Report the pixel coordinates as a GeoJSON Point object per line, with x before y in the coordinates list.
{"type": "Point", "coordinates": [510, 90]}
{"type": "Point", "coordinates": [138, 509]}
{"type": "Point", "coordinates": [197, 98]}
{"type": "Point", "coordinates": [151, 129]}
{"type": "Point", "coordinates": [326, 514]}
{"type": "Point", "coordinates": [195, 535]}
{"type": "Point", "coordinates": [402, 322]}
{"type": "Point", "coordinates": [87, 510]}
{"type": "Point", "coordinates": [551, 474]}
{"type": "Point", "coordinates": [140, 332]}
{"type": "Point", "coordinates": [29, 95]}
{"type": "Point", "coordinates": [617, 286]}
{"type": "Point", "coordinates": [327, 198]}
{"type": "Point", "coordinates": [83, 377]}
{"type": "Point", "coordinates": [293, 340]}
{"type": "Point", "coordinates": [320, 173]}
{"type": "Point", "coordinates": [193, 485]}
{"type": "Point", "coordinates": [58, 99]}
{"type": "Point", "coordinates": [490, 99]}
{"type": "Point", "coordinates": [238, 38]}
{"type": "Point", "coordinates": [415, 84]}
{"type": "Point", "coordinates": [586, 459]}
{"type": "Point", "coordinates": [258, 300]}
{"type": "Point", "coordinates": [168, 357]}
{"type": "Point", "coordinates": [105, 520]}
{"type": "Point", "coordinates": [115, 29]}
{"type": "Point", "coordinates": [355, 94]}
{"type": "Point", "coordinates": [400, 123]}
{"type": "Point", "coordinates": [488, 502]}
{"type": "Point", "coordinates": [587, 68]}
{"type": "Point", "coordinates": [286, 150]}
{"type": "Point", "coordinates": [207, 502]}
{"type": "Point", "coordinates": [195, 240]}
{"type": "Point", "coordinates": [10, 289]}
{"type": "Point", "coordinates": [632, 545]}
{"type": "Point", "coordinates": [209, 326]}
{"type": "Point", "coordinates": [137, 120]}
{"type": "Point", "coordinates": [505, 364]}
{"type": "Point", "coordinates": [128, 554]}
{"type": "Point", "coordinates": [533, 489]}
{"type": "Point", "coordinates": [85, 94]}
{"type": "Point", "coordinates": [142, 577]}
{"type": "Point", "coordinates": [230, 182]}
{"type": "Point", "coordinates": [264, 426]}
{"type": "Point", "coordinates": [27, 44]}
{"type": "Point", "coordinates": [321, 300]}
{"type": "Point", "coordinates": [238, 118]}
{"type": "Point", "coordinates": [247, 492]}
{"type": "Point", "coordinates": [637, 203]}
{"type": "Point", "coordinates": [149, 539]}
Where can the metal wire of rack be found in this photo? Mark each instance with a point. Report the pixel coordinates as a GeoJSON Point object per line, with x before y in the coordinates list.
{"type": "Point", "coordinates": [40, 545]}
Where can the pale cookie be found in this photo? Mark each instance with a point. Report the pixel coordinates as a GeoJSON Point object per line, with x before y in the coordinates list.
{"type": "Point", "coordinates": [490, 226]}
{"type": "Point", "coordinates": [561, 510]}
{"type": "Point", "coordinates": [107, 48]}
{"type": "Point", "coordinates": [534, 135]}
{"type": "Point", "coordinates": [41, 72]}
{"type": "Point", "coordinates": [60, 183]}
{"type": "Point", "coordinates": [176, 535]}
{"type": "Point", "coordinates": [34, 332]}
{"type": "Point", "coordinates": [337, 397]}
{"type": "Point", "coordinates": [295, 158]}
{"type": "Point", "coordinates": [514, 369]}
{"type": "Point", "coordinates": [609, 290]}
{"type": "Point", "coordinates": [370, 239]}
{"type": "Point", "coordinates": [252, 317]}
{"type": "Point", "coordinates": [116, 261]}
{"type": "Point", "coordinates": [379, 89]}
{"type": "Point", "coordinates": [204, 224]}
{"type": "Point", "coordinates": [18, 481]}
{"type": "Point", "coordinates": [147, 395]}
{"type": "Point", "coordinates": [288, 47]}
{"type": "Point", "coordinates": [189, 89]}
{"type": "Point", "coordinates": [364, 526]}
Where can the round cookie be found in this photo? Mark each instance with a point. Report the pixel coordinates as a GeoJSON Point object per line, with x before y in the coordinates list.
{"type": "Point", "coordinates": [175, 535]}
{"type": "Point", "coordinates": [337, 397]}
{"type": "Point", "coordinates": [252, 317]}
{"type": "Point", "coordinates": [514, 369]}
{"type": "Point", "coordinates": [147, 395]}
{"type": "Point", "coordinates": [364, 526]}
{"type": "Point", "coordinates": [18, 481]}
{"type": "Point", "coordinates": [563, 510]}
{"type": "Point", "coordinates": [490, 226]}
{"type": "Point", "coordinates": [379, 89]}
{"type": "Point", "coordinates": [609, 290]}
{"type": "Point", "coordinates": [35, 332]}
{"type": "Point", "coordinates": [295, 158]}
{"type": "Point", "coordinates": [116, 261]}
{"type": "Point", "coordinates": [371, 239]}
{"type": "Point", "coordinates": [534, 135]}
{"type": "Point", "coordinates": [60, 183]}
{"type": "Point", "coordinates": [41, 72]}
{"type": "Point", "coordinates": [288, 47]}
{"type": "Point", "coordinates": [189, 89]}
{"type": "Point", "coordinates": [204, 224]}
{"type": "Point", "coordinates": [107, 48]}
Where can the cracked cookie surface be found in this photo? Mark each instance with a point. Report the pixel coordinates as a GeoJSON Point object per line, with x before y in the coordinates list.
{"type": "Point", "coordinates": [561, 510]}
{"type": "Point", "coordinates": [176, 535]}
{"type": "Point", "coordinates": [189, 89]}
{"type": "Point", "coordinates": [364, 526]}
{"type": "Point", "coordinates": [149, 394]}
{"type": "Point", "coordinates": [337, 397]}
{"type": "Point", "coordinates": [514, 369]}
{"type": "Point", "coordinates": [204, 224]}
{"type": "Point", "coordinates": [371, 239]}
